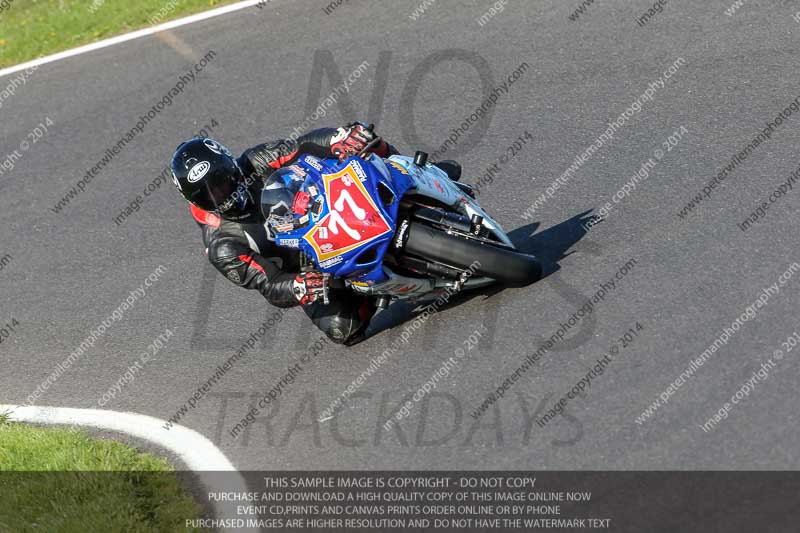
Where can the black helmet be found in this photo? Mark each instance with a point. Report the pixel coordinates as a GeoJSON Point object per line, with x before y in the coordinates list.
{"type": "Point", "coordinates": [208, 176]}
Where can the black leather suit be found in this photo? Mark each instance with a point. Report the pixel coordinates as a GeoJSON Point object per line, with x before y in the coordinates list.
{"type": "Point", "coordinates": [242, 252]}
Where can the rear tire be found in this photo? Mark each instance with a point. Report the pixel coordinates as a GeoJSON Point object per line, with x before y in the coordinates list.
{"type": "Point", "coordinates": [510, 268]}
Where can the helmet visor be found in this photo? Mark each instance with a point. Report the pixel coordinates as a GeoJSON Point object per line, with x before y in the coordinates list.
{"type": "Point", "coordinates": [223, 194]}
{"type": "Point", "coordinates": [229, 196]}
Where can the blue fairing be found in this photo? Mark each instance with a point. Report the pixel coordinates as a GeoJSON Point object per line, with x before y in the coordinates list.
{"type": "Point", "coordinates": [347, 236]}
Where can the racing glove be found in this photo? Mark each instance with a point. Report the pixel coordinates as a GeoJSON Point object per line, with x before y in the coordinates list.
{"type": "Point", "coordinates": [353, 138]}
{"type": "Point", "coordinates": [308, 287]}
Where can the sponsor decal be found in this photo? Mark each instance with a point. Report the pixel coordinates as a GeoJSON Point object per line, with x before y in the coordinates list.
{"type": "Point", "coordinates": [359, 171]}
{"type": "Point", "coordinates": [407, 288]}
{"type": "Point", "coordinates": [198, 171]}
{"type": "Point", "coordinates": [398, 242]}
{"type": "Point", "coordinates": [330, 262]}
{"type": "Point", "coordinates": [215, 147]}
{"type": "Point", "coordinates": [327, 247]}
{"type": "Point", "coordinates": [399, 167]}
{"type": "Point", "coordinates": [313, 162]}
{"type": "Point", "coordinates": [438, 186]}
{"type": "Point", "coordinates": [298, 172]}
{"type": "Point", "coordinates": [398, 288]}
{"type": "Point", "coordinates": [233, 275]}
{"type": "Point", "coordinates": [291, 243]}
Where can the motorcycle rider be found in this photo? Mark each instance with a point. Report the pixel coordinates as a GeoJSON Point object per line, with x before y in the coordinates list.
{"type": "Point", "coordinates": [224, 193]}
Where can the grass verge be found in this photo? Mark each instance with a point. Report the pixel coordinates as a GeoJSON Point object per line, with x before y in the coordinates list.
{"type": "Point", "coordinates": [64, 480]}
{"type": "Point", "coordinates": [33, 28]}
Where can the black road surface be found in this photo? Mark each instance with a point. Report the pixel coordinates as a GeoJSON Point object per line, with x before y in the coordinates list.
{"type": "Point", "coordinates": [648, 114]}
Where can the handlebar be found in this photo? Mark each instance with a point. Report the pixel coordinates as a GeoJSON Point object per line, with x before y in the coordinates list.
{"type": "Point", "coordinates": [372, 144]}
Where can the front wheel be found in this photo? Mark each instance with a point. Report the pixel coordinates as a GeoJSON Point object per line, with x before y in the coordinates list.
{"type": "Point", "coordinates": [508, 267]}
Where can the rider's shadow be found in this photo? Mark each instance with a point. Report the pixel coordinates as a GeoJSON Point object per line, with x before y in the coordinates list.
{"type": "Point", "coordinates": [549, 246]}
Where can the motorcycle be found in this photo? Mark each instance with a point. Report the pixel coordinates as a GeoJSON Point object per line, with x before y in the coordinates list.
{"type": "Point", "coordinates": [396, 228]}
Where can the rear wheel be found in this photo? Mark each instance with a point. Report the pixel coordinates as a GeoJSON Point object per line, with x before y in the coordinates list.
{"type": "Point", "coordinates": [508, 267]}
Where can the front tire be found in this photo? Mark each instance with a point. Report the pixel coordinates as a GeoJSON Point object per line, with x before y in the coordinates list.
{"type": "Point", "coordinates": [508, 267]}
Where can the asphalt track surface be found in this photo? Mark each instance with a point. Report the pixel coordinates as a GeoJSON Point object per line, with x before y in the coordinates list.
{"type": "Point", "coordinates": [692, 276]}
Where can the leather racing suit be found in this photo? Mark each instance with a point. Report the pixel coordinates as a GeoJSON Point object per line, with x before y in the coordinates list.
{"type": "Point", "coordinates": [244, 254]}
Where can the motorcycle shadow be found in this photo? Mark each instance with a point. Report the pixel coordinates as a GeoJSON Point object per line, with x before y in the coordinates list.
{"type": "Point", "coordinates": [553, 244]}
{"type": "Point", "coordinates": [549, 246]}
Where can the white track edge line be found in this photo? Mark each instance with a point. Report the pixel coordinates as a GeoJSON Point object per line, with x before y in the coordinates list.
{"type": "Point", "coordinates": [194, 449]}
{"type": "Point", "coordinates": [130, 36]}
